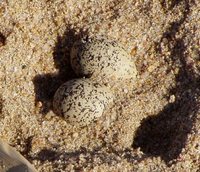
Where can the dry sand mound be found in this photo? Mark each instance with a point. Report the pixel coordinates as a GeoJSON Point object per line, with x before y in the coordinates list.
{"type": "Point", "coordinates": [157, 123]}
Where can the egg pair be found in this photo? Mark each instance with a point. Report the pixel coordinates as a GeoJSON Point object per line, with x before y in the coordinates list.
{"type": "Point", "coordinates": [82, 101]}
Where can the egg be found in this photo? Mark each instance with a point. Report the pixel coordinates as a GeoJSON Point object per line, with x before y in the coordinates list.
{"type": "Point", "coordinates": [81, 101]}
{"type": "Point", "coordinates": [102, 57]}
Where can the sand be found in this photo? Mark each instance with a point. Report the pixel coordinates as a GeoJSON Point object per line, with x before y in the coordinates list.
{"type": "Point", "coordinates": [155, 126]}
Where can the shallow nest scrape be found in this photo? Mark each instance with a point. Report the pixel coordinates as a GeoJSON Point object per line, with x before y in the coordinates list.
{"type": "Point", "coordinates": [157, 123]}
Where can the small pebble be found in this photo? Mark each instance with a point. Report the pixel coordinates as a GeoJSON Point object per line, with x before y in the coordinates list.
{"type": "Point", "coordinates": [39, 104]}
{"type": "Point", "coordinates": [172, 99]}
{"type": "Point", "coordinates": [75, 135]}
{"type": "Point", "coordinates": [125, 90]}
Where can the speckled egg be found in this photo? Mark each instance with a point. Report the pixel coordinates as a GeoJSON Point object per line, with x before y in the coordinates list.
{"type": "Point", "coordinates": [81, 101]}
{"type": "Point", "coordinates": [102, 57]}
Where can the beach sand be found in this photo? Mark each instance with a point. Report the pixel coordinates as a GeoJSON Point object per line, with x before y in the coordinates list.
{"type": "Point", "coordinates": [155, 126]}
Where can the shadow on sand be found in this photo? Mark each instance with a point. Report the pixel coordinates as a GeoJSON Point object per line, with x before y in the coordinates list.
{"type": "Point", "coordinates": [165, 134]}
{"type": "Point", "coordinates": [46, 85]}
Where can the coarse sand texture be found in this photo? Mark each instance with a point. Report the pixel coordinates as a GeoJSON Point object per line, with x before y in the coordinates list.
{"type": "Point", "coordinates": [149, 118]}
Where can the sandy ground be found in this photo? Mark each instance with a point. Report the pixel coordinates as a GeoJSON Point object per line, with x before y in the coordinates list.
{"type": "Point", "coordinates": [157, 122]}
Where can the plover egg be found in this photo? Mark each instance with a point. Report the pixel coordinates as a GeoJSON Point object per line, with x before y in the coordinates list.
{"type": "Point", "coordinates": [102, 57]}
{"type": "Point", "coordinates": [81, 101]}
